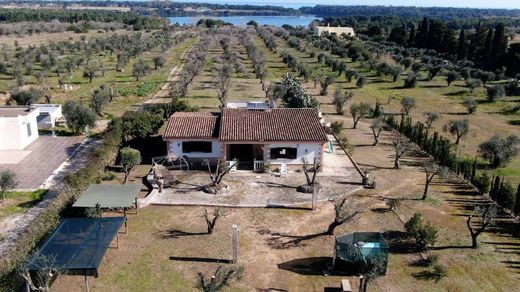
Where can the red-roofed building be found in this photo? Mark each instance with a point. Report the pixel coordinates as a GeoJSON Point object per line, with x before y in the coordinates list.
{"type": "Point", "coordinates": [254, 137]}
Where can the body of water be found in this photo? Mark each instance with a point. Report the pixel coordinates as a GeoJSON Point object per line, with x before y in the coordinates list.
{"type": "Point", "coordinates": [303, 20]}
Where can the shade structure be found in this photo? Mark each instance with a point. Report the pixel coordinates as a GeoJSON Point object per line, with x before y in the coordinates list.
{"type": "Point", "coordinates": [361, 249]}
{"type": "Point", "coordinates": [109, 196]}
{"type": "Point", "coordinates": [78, 244]}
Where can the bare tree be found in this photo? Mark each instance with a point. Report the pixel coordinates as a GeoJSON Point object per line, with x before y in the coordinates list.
{"type": "Point", "coordinates": [220, 171]}
{"type": "Point", "coordinates": [345, 211]}
{"type": "Point", "coordinates": [221, 82]}
{"type": "Point", "coordinates": [222, 278]}
{"type": "Point", "coordinates": [341, 99]}
{"type": "Point", "coordinates": [401, 146]}
{"type": "Point", "coordinates": [432, 169]}
{"type": "Point", "coordinates": [314, 169]}
{"type": "Point", "coordinates": [377, 127]}
{"type": "Point", "coordinates": [485, 216]}
{"type": "Point", "coordinates": [48, 269]}
{"type": "Point", "coordinates": [212, 222]}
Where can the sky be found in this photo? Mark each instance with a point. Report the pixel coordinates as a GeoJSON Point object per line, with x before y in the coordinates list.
{"type": "Point", "coordinates": [438, 3]}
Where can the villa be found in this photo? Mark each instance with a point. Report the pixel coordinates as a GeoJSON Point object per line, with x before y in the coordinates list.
{"type": "Point", "coordinates": [349, 31]}
{"type": "Point", "coordinates": [273, 136]}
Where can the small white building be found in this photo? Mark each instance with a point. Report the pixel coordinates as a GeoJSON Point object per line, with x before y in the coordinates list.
{"type": "Point", "coordinates": [49, 115]}
{"type": "Point", "coordinates": [349, 31]}
{"type": "Point", "coordinates": [253, 137]}
{"type": "Point", "coordinates": [18, 127]}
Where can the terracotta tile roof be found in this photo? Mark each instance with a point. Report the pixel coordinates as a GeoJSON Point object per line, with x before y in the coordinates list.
{"type": "Point", "coordinates": [283, 124]}
{"type": "Point", "coordinates": [192, 125]}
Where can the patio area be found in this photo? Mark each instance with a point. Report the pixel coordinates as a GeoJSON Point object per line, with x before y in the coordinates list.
{"type": "Point", "coordinates": [40, 160]}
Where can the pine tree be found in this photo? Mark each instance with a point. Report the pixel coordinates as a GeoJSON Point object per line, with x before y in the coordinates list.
{"type": "Point", "coordinates": [462, 49]}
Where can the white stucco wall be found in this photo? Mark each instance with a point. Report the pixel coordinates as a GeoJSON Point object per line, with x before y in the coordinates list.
{"type": "Point", "coordinates": [175, 148]}
{"type": "Point", "coordinates": [13, 131]}
{"type": "Point", "coordinates": [310, 151]}
{"type": "Point", "coordinates": [50, 113]}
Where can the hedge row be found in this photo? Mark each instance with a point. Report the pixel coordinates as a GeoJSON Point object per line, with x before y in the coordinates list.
{"type": "Point", "coordinates": [48, 219]}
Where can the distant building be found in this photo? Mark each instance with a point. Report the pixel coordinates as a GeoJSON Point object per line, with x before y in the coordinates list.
{"type": "Point", "coordinates": [272, 136]}
{"type": "Point", "coordinates": [349, 31]}
{"type": "Point", "coordinates": [18, 127]}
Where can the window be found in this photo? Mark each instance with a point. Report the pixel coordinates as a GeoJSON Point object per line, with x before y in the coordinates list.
{"type": "Point", "coordinates": [29, 130]}
{"type": "Point", "coordinates": [284, 153]}
{"type": "Point", "coordinates": [196, 146]}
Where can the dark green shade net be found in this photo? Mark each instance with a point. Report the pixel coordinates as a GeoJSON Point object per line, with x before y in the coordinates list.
{"type": "Point", "coordinates": [357, 247]}
{"type": "Point", "coordinates": [79, 243]}
{"type": "Point", "coordinates": [109, 196]}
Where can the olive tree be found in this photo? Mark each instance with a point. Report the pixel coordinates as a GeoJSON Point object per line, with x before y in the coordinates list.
{"type": "Point", "coordinates": [130, 158]}
{"type": "Point", "coordinates": [401, 146]}
{"type": "Point", "coordinates": [377, 127]}
{"type": "Point", "coordinates": [26, 97]}
{"type": "Point", "coordinates": [470, 104]}
{"type": "Point", "coordinates": [221, 82]}
{"type": "Point", "coordinates": [341, 99]}
{"type": "Point", "coordinates": [159, 61]}
{"type": "Point", "coordinates": [7, 182]}
{"type": "Point", "coordinates": [452, 76]}
{"type": "Point", "coordinates": [432, 169]}
{"type": "Point", "coordinates": [407, 104]}
{"type": "Point", "coordinates": [345, 211]}
{"type": "Point", "coordinates": [140, 69]}
{"type": "Point", "coordinates": [431, 117]}
{"type": "Point", "coordinates": [359, 111]}
{"type": "Point", "coordinates": [500, 151]}
{"type": "Point", "coordinates": [325, 82]}
{"type": "Point", "coordinates": [485, 216]}
{"type": "Point", "coordinates": [222, 277]}
{"type": "Point", "coordinates": [78, 116]}
{"type": "Point", "coordinates": [457, 128]}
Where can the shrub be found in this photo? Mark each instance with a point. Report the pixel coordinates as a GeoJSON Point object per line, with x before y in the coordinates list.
{"type": "Point", "coordinates": [473, 83]}
{"type": "Point", "coordinates": [482, 182]}
{"type": "Point", "coordinates": [424, 234]}
{"type": "Point", "coordinates": [411, 81]}
{"type": "Point", "coordinates": [361, 81]}
{"type": "Point", "coordinates": [471, 104]}
{"type": "Point", "coordinates": [78, 116]}
{"type": "Point", "coordinates": [337, 127]}
{"type": "Point", "coordinates": [495, 92]}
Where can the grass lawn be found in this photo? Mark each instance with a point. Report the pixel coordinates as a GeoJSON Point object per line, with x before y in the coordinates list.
{"type": "Point", "coordinates": [19, 202]}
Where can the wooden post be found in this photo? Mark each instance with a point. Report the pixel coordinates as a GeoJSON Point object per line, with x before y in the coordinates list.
{"type": "Point", "coordinates": [87, 289]}
{"type": "Point", "coordinates": [234, 243]}
{"type": "Point", "coordinates": [135, 205]}
{"type": "Point", "coordinates": [126, 221]}
{"type": "Point", "coordinates": [315, 192]}
{"type": "Point", "coordinates": [117, 240]}
{"type": "Point", "coordinates": [334, 258]}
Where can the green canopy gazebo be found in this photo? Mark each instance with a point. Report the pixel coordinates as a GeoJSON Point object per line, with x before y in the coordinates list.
{"type": "Point", "coordinates": [358, 250]}
{"type": "Point", "coordinates": [110, 196]}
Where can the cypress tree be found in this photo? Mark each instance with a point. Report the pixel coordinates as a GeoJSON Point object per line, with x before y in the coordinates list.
{"type": "Point", "coordinates": [411, 36]}
{"type": "Point", "coordinates": [507, 196]}
{"type": "Point", "coordinates": [474, 170]}
{"type": "Point", "coordinates": [486, 51]}
{"type": "Point", "coordinates": [517, 202]}
{"type": "Point", "coordinates": [496, 189]}
{"type": "Point", "coordinates": [499, 43]}
{"type": "Point", "coordinates": [491, 188]}
{"type": "Point", "coordinates": [423, 33]}
{"type": "Point", "coordinates": [449, 42]}
{"type": "Point", "coordinates": [462, 49]}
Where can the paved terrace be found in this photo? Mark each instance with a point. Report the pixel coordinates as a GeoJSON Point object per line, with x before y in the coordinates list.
{"type": "Point", "coordinates": [248, 189]}
{"type": "Point", "coordinates": [39, 160]}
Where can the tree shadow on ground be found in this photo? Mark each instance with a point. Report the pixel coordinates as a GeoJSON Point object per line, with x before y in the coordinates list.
{"type": "Point", "coordinates": [307, 266]}
{"type": "Point", "coordinates": [427, 276]}
{"type": "Point", "coordinates": [275, 185]}
{"type": "Point", "coordinates": [455, 93]}
{"type": "Point", "coordinates": [200, 260]}
{"type": "Point", "coordinates": [284, 241]}
{"type": "Point", "coordinates": [175, 233]}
